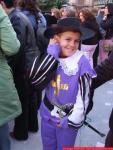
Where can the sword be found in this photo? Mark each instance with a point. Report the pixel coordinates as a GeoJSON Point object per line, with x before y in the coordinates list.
{"type": "Point", "coordinates": [66, 109]}
{"type": "Point", "coordinates": [94, 129]}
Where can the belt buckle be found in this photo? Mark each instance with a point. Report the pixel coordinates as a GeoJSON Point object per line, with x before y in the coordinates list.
{"type": "Point", "coordinates": [61, 113]}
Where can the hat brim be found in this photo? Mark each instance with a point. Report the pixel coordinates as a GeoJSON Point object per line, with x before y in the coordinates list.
{"type": "Point", "coordinates": [85, 32]}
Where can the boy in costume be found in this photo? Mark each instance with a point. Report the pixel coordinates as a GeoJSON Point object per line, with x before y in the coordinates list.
{"type": "Point", "coordinates": [66, 96]}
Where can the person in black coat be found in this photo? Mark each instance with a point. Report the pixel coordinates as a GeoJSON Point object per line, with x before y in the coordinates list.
{"type": "Point", "coordinates": [107, 22]}
{"type": "Point", "coordinates": [88, 20]}
{"type": "Point", "coordinates": [104, 73]}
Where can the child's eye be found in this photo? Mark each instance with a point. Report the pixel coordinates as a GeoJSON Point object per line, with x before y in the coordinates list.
{"type": "Point", "coordinates": [77, 41]}
{"type": "Point", "coordinates": [68, 39]}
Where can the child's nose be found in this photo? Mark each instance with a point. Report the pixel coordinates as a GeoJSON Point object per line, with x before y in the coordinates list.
{"type": "Point", "coordinates": [72, 44]}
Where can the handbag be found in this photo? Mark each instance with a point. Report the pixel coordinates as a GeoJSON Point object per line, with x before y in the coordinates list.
{"type": "Point", "coordinates": [108, 45]}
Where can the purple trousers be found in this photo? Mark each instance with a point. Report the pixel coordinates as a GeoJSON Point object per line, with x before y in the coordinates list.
{"type": "Point", "coordinates": [54, 138]}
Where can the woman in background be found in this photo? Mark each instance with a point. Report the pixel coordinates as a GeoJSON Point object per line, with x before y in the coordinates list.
{"type": "Point", "coordinates": [88, 20]}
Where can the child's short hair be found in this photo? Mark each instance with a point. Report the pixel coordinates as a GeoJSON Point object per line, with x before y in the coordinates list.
{"type": "Point", "coordinates": [69, 24]}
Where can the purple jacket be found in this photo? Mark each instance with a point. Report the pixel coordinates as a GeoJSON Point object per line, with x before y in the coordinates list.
{"type": "Point", "coordinates": [70, 85]}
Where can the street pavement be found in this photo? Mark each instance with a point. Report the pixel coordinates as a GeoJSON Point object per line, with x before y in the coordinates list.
{"type": "Point", "coordinates": [98, 118]}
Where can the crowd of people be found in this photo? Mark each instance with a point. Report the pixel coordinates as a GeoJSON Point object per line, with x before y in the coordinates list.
{"type": "Point", "coordinates": [68, 54]}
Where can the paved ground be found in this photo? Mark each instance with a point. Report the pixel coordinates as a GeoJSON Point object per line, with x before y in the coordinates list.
{"type": "Point", "coordinates": [103, 103]}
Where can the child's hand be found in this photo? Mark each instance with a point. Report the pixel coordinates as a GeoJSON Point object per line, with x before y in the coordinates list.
{"type": "Point", "coordinates": [54, 47]}
{"type": "Point", "coordinates": [59, 125]}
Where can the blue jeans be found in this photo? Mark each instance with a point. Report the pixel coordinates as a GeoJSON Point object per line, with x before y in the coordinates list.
{"type": "Point", "coordinates": [4, 138]}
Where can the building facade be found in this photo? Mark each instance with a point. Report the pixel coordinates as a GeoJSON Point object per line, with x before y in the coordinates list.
{"type": "Point", "coordinates": [103, 2]}
{"type": "Point", "coordinates": [89, 2]}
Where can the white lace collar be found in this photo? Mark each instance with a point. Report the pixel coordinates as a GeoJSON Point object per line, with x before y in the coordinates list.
{"type": "Point", "coordinates": [70, 64]}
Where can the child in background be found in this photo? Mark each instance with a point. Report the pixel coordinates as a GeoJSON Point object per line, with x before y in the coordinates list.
{"type": "Point", "coordinates": [66, 96]}
{"type": "Point", "coordinates": [55, 12]}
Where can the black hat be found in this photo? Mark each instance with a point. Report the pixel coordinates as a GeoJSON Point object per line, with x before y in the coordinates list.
{"type": "Point", "coordinates": [69, 24]}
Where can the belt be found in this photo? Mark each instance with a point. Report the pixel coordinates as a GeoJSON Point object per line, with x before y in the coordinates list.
{"type": "Point", "coordinates": [48, 103]}
{"type": "Point", "coordinates": [62, 110]}
{"type": "Point", "coordinates": [56, 110]}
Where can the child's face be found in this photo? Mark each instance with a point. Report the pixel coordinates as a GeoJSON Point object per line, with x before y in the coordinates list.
{"type": "Point", "coordinates": [69, 42]}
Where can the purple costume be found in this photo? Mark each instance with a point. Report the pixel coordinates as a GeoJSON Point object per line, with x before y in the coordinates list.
{"type": "Point", "coordinates": [70, 85]}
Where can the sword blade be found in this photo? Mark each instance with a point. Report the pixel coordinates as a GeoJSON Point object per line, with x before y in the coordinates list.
{"type": "Point", "coordinates": [94, 129]}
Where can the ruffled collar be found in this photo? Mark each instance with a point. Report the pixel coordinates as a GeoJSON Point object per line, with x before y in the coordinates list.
{"type": "Point", "coordinates": [70, 64]}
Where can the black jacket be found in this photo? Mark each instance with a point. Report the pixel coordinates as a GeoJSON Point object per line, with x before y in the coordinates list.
{"type": "Point", "coordinates": [104, 73]}
{"type": "Point", "coordinates": [107, 25]}
{"type": "Point", "coordinates": [21, 63]}
{"type": "Point", "coordinates": [93, 25]}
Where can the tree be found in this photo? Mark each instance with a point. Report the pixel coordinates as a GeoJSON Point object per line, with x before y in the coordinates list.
{"type": "Point", "coordinates": [47, 4]}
